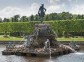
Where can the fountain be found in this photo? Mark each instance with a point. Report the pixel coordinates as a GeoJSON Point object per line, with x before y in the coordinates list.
{"type": "Point", "coordinates": [47, 47]}
{"type": "Point", "coordinates": [74, 45]}
{"type": "Point", "coordinates": [42, 43]}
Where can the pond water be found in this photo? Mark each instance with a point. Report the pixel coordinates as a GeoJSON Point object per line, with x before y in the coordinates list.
{"type": "Point", "coordinates": [73, 57]}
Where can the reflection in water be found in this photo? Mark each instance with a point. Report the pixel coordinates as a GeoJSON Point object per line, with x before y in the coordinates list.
{"type": "Point", "coordinates": [73, 57]}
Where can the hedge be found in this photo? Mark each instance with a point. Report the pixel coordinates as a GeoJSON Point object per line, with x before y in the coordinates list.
{"type": "Point", "coordinates": [58, 26]}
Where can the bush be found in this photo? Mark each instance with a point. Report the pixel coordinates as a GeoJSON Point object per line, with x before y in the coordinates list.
{"type": "Point", "coordinates": [18, 28]}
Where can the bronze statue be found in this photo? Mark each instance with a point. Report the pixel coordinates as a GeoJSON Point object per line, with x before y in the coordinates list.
{"type": "Point", "coordinates": [41, 12]}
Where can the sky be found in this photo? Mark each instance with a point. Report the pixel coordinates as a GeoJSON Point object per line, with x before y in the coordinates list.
{"type": "Point", "coordinates": [9, 8]}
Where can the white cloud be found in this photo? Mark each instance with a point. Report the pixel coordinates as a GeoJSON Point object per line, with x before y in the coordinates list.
{"type": "Point", "coordinates": [53, 8]}
{"type": "Point", "coordinates": [71, 6]}
{"type": "Point", "coordinates": [59, 1]}
{"type": "Point", "coordinates": [54, 1]}
{"type": "Point", "coordinates": [11, 11]}
{"type": "Point", "coordinates": [78, 9]}
{"type": "Point", "coordinates": [33, 9]}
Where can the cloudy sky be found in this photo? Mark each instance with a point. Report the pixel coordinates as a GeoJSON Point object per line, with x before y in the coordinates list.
{"type": "Point", "coordinates": [9, 8]}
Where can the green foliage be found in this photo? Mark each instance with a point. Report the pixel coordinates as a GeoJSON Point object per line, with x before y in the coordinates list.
{"type": "Point", "coordinates": [16, 27]}
{"type": "Point", "coordinates": [47, 17]}
{"type": "Point", "coordinates": [24, 19]}
{"type": "Point", "coordinates": [62, 27]}
{"type": "Point", "coordinates": [4, 27]}
{"type": "Point", "coordinates": [31, 18]}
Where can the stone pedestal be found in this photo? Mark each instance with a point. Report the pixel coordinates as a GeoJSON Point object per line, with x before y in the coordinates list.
{"type": "Point", "coordinates": [41, 33]}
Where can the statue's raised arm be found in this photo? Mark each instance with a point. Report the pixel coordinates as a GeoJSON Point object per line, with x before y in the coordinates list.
{"type": "Point", "coordinates": [41, 12]}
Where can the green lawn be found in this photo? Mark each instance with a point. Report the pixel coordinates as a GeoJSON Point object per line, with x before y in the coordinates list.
{"type": "Point", "coordinates": [70, 39]}
{"type": "Point", "coordinates": [10, 38]}
{"type": "Point", "coordinates": [20, 39]}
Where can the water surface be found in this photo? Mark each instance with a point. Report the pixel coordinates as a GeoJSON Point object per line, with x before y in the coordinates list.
{"type": "Point", "coordinates": [73, 57]}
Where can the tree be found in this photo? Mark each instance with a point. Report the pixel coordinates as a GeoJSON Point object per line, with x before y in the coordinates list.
{"type": "Point", "coordinates": [53, 16]}
{"type": "Point", "coordinates": [36, 18]}
{"type": "Point", "coordinates": [24, 19]}
{"type": "Point", "coordinates": [1, 20]}
{"type": "Point", "coordinates": [46, 18]}
{"type": "Point", "coordinates": [6, 20]}
{"type": "Point", "coordinates": [80, 16]}
{"type": "Point", "coordinates": [16, 18]}
{"type": "Point", "coordinates": [31, 18]}
{"type": "Point", "coordinates": [66, 15]}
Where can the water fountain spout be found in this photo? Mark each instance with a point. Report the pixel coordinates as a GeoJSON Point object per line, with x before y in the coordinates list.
{"type": "Point", "coordinates": [47, 47]}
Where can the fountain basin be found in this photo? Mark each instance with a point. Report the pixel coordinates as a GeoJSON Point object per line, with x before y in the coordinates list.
{"type": "Point", "coordinates": [55, 52]}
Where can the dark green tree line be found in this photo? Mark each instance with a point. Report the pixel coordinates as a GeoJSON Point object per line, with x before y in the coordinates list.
{"type": "Point", "coordinates": [48, 17]}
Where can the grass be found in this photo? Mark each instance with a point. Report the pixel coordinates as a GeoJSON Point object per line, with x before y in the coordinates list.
{"type": "Point", "coordinates": [2, 38]}
{"type": "Point", "coordinates": [10, 38]}
{"type": "Point", "coordinates": [70, 39]}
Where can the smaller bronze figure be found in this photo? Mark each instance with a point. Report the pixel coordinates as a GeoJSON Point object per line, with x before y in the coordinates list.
{"type": "Point", "coordinates": [41, 12]}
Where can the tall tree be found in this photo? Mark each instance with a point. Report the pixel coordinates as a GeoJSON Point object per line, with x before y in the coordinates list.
{"type": "Point", "coordinates": [36, 18]}
{"type": "Point", "coordinates": [6, 20]}
{"type": "Point", "coordinates": [1, 20]}
{"type": "Point", "coordinates": [66, 15]}
{"type": "Point", "coordinates": [16, 18]}
{"type": "Point", "coordinates": [24, 19]}
{"type": "Point", "coordinates": [31, 18]}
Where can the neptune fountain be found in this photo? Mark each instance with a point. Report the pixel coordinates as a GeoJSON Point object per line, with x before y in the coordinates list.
{"type": "Point", "coordinates": [42, 43]}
